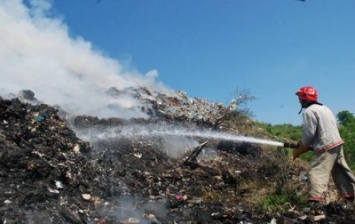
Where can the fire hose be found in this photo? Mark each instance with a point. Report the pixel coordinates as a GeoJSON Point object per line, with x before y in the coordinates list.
{"type": "Point", "coordinates": [298, 149]}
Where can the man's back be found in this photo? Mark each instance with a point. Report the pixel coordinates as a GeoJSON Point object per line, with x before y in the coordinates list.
{"type": "Point", "coordinates": [320, 128]}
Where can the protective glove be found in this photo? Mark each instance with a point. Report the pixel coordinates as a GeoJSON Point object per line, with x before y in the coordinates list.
{"type": "Point", "coordinates": [297, 152]}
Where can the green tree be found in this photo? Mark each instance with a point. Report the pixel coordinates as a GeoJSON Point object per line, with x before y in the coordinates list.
{"type": "Point", "coordinates": [345, 118]}
{"type": "Point", "coordinates": [346, 121]}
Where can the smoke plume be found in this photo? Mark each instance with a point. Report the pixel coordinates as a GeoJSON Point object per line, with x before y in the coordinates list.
{"type": "Point", "coordinates": [38, 54]}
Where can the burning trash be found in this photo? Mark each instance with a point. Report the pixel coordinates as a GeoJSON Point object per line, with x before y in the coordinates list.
{"type": "Point", "coordinates": [113, 171]}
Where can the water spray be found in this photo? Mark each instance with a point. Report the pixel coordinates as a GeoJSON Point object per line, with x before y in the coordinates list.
{"type": "Point", "coordinates": [135, 131]}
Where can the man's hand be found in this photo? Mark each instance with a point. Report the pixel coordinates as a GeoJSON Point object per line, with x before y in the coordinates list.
{"type": "Point", "coordinates": [299, 151]}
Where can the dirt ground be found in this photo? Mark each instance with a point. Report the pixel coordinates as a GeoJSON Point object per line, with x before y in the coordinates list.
{"type": "Point", "coordinates": [88, 170]}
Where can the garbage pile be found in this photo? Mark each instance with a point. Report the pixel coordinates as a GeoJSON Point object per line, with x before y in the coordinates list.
{"type": "Point", "coordinates": [50, 175]}
{"type": "Point", "coordinates": [177, 106]}
{"type": "Point", "coordinates": [195, 110]}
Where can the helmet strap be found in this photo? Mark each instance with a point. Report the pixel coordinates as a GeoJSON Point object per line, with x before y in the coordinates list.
{"type": "Point", "coordinates": [300, 110]}
{"type": "Point", "coordinates": [306, 103]}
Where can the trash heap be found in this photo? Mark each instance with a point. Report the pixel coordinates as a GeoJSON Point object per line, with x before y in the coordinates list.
{"type": "Point", "coordinates": [194, 110]}
{"type": "Point", "coordinates": [49, 175]}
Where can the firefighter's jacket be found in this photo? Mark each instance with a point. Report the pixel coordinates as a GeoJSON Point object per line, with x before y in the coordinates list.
{"type": "Point", "coordinates": [319, 128]}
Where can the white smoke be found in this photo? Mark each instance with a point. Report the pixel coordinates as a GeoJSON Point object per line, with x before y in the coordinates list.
{"type": "Point", "coordinates": [37, 53]}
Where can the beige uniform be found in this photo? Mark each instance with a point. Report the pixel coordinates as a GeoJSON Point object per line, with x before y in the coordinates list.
{"type": "Point", "coordinates": [319, 130]}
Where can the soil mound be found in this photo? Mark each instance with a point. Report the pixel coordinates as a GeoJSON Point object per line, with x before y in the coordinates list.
{"type": "Point", "coordinates": [91, 171]}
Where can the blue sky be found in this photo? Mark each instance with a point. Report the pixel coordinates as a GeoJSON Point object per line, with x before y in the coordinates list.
{"type": "Point", "coordinates": [210, 48]}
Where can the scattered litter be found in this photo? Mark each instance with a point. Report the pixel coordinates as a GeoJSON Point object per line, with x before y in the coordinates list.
{"type": "Point", "coordinates": [86, 196]}
{"type": "Point", "coordinates": [130, 220]}
{"type": "Point", "coordinates": [151, 218]}
{"type": "Point", "coordinates": [303, 178]}
{"type": "Point", "coordinates": [315, 218]}
{"type": "Point", "coordinates": [40, 117]}
{"type": "Point", "coordinates": [138, 155]}
{"type": "Point", "coordinates": [58, 184]}
{"type": "Point", "coordinates": [273, 221]}
{"type": "Point", "coordinates": [76, 148]}
{"type": "Point", "coordinates": [53, 190]}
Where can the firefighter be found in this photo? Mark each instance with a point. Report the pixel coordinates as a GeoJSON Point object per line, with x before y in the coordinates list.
{"type": "Point", "coordinates": [320, 132]}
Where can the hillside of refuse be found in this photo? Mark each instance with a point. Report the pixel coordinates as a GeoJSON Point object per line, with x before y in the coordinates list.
{"type": "Point", "coordinates": [60, 169]}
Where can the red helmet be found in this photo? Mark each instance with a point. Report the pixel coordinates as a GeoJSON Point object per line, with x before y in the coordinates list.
{"type": "Point", "coordinates": [307, 93]}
